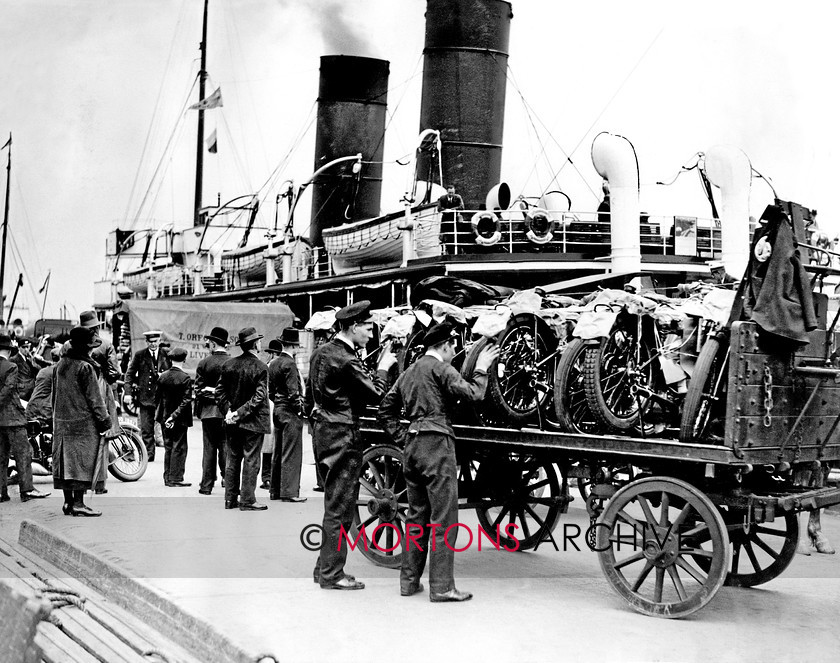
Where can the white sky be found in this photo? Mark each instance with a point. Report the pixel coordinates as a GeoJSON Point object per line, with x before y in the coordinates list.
{"type": "Point", "coordinates": [82, 81]}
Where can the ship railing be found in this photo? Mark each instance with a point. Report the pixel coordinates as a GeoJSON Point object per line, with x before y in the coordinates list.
{"type": "Point", "coordinates": [568, 232]}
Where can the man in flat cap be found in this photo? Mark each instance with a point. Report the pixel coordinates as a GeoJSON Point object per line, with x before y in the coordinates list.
{"type": "Point", "coordinates": [174, 414]}
{"type": "Point", "coordinates": [425, 393]}
{"type": "Point", "coordinates": [207, 409]}
{"type": "Point", "coordinates": [339, 390]}
{"type": "Point", "coordinates": [243, 399]}
{"type": "Point", "coordinates": [141, 385]}
{"type": "Point", "coordinates": [284, 390]}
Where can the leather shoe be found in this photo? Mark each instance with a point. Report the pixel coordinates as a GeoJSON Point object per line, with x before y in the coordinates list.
{"type": "Point", "coordinates": [411, 592]}
{"type": "Point", "coordinates": [84, 510]}
{"type": "Point", "coordinates": [5, 497]}
{"type": "Point", "coordinates": [101, 491]}
{"type": "Point", "coordinates": [317, 581]}
{"type": "Point", "coordinates": [253, 506]}
{"type": "Point", "coordinates": [345, 584]}
{"type": "Point", "coordinates": [178, 484]}
{"type": "Point", "coordinates": [292, 499]}
{"type": "Point", "coordinates": [265, 485]}
{"type": "Point", "coordinates": [33, 495]}
{"type": "Point", "coordinates": [451, 596]}
{"type": "Point", "coordinates": [203, 491]}
{"type": "Point", "coordinates": [318, 489]}
{"type": "Point", "coordinates": [234, 504]}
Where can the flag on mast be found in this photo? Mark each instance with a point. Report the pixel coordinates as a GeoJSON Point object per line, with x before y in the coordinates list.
{"type": "Point", "coordinates": [8, 142]}
{"type": "Point", "coordinates": [212, 145]}
{"type": "Point", "coordinates": [213, 101]}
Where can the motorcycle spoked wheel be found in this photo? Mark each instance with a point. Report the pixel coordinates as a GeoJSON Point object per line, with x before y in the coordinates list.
{"type": "Point", "coordinates": [127, 455]}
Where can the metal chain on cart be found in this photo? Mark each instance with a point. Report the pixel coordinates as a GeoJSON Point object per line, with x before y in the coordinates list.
{"type": "Point", "coordinates": [768, 395]}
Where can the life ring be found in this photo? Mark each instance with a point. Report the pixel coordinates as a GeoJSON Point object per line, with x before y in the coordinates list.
{"type": "Point", "coordinates": [539, 226]}
{"type": "Point", "coordinates": [486, 227]}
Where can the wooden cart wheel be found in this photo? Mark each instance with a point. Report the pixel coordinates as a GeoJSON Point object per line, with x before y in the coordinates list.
{"type": "Point", "coordinates": [705, 402]}
{"type": "Point", "coordinates": [522, 491]}
{"type": "Point", "coordinates": [570, 406]}
{"type": "Point", "coordinates": [616, 374]}
{"type": "Point", "coordinates": [760, 551]}
{"type": "Point", "coordinates": [381, 502]}
{"type": "Point", "coordinates": [618, 475]}
{"type": "Point", "coordinates": [649, 539]}
{"type": "Point", "coordinates": [520, 381]}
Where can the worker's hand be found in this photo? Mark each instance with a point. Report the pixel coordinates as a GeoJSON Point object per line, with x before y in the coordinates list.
{"type": "Point", "coordinates": [486, 358]}
{"type": "Point", "coordinates": [169, 423]}
{"type": "Point", "coordinates": [129, 400]}
{"type": "Point", "coordinates": [387, 358]}
{"type": "Point", "coordinates": [231, 417]}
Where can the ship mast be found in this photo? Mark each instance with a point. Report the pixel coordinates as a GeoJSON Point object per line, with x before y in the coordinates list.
{"type": "Point", "coordinates": [199, 151]}
{"type": "Point", "coordinates": [5, 223]}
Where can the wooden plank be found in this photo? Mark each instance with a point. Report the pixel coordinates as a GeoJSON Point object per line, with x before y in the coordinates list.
{"type": "Point", "coordinates": [97, 639]}
{"type": "Point", "coordinates": [787, 402]}
{"type": "Point", "coordinates": [745, 338]}
{"type": "Point", "coordinates": [58, 648]}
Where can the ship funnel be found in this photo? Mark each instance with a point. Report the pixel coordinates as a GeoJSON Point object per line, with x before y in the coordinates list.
{"type": "Point", "coordinates": [464, 81]}
{"type": "Point", "coordinates": [615, 160]}
{"type": "Point", "coordinates": [352, 102]}
{"type": "Point", "coordinates": [729, 169]}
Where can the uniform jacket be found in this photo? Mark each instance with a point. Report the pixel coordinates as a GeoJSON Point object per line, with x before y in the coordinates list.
{"type": "Point", "coordinates": [174, 397]}
{"type": "Point", "coordinates": [207, 375]}
{"type": "Point", "coordinates": [11, 409]}
{"type": "Point", "coordinates": [339, 386]}
{"type": "Point", "coordinates": [284, 388]}
{"type": "Point", "coordinates": [243, 386]}
{"type": "Point", "coordinates": [39, 406]}
{"type": "Point", "coordinates": [427, 392]}
{"type": "Point", "coordinates": [27, 370]}
{"type": "Point", "coordinates": [106, 358]}
{"type": "Point", "coordinates": [142, 375]}
{"type": "Point", "coordinates": [79, 416]}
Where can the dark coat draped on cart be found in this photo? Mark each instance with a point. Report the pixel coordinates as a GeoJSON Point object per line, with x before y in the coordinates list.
{"type": "Point", "coordinates": [779, 298]}
{"type": "Point", "coordinates": [79, 417]}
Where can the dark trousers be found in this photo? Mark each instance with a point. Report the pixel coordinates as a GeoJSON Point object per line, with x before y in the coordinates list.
{"type": "Point", "coordinates": [13, 439]}
{"type": "Point", "coordinates": [174, 453]}
{"type": "Point", "coordinates": [339, 460]}
{"type": "Point", "coordinates": [431, 478]}
{"type": "Point", "coordinates": [146, 423]}
{"type": "Point", "coordinates": [214, 452]}
{"type": "Point", "coordinates": [242, 464]}
{"type": "Point", "coordinates": [287, 458]}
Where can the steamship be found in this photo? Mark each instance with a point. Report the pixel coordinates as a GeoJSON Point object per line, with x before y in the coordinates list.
{"type": "Point", "coordinates": [354, 252]}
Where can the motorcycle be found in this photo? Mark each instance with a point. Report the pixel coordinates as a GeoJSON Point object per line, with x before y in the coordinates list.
{"type": "Point", "coordinates": [127, 456]}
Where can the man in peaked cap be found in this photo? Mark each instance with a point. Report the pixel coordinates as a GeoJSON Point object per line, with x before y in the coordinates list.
{"type": "Point", "coordinates": [284, 390]}
{"type": "Point", "coordinates": [207, 409]}
{"type": "Point", "coordinates": [141, 385]}
{"type": "Point", "coordinates": [174, 413]}
{"type": "Point", "coordinates": [13, 428]}
{"type": "Point", "coordinates": [425, 393]}
{"type": "Point", "coordinates": [339, 390]}
{"type": "Point", "coordinates": [243, 400]}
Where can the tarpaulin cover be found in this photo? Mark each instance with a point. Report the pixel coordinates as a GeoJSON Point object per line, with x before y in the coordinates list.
{"type": "Point", "coordinates": [185, 323]}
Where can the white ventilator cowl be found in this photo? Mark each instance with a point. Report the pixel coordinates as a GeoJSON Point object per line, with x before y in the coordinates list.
{"type": "Point", "coordinates": [729, 169]}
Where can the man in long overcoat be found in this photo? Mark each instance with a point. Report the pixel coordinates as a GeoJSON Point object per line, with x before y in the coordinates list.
{"type": "Point", "coordinates": [80, 421]}
{"type": "Point", "coordinates": [207, 409]}
{"type": "Point", "coordinates": [338, 392]}
{"type": "Point", "coordinates": [141, 385]}
{"type": "Point", "coordinates": [243, 398]}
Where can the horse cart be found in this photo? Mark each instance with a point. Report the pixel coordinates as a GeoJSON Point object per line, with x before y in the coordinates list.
{"type": "Point", "coordinates": [691, 482]}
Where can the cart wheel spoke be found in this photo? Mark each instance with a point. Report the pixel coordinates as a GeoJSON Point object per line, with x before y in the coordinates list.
{"type": "Point", "coordinates": [534, 515]}
{"type": "Point", "coordinates": [649, 517]}
{"type": "Point", "coordinates": [376, 475]}
{"type": "Point", "coordinates": [500, 517]}
{"type": "Point", "coordinates": [690, 570]}
{"type": "Point", "coordinates": [642, 576]}
{"type": "Point", "coordinates": [364, 483]}
{"type": "Point", "coordinates": [630, 560]}
{"type": "Point", "coordinates": [675, 578]}
{"type": "Point", "coordinates": [660, 581]}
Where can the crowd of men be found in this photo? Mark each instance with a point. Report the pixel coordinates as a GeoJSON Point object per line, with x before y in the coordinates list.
{"type": "Point", "coordinates": [231, 396]}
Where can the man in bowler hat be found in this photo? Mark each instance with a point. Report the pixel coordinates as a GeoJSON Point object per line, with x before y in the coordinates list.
{"type": "Point", "coordinates": [141, 385]}
{"type": "Point", "coordinates": [174, 414]}
{"type": "Point", "coordinates": [207, 409]}
{"type": "Point", "coordinates": [284, 390]}
{"type": "Point", "coordinates": [243, 399]}
{"type": "Point", "coordinates": [13, 428]}
{"type": "Point", "coordinates": [425, 393]}
{"type": "Point", "coordinates": [339, 390]}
